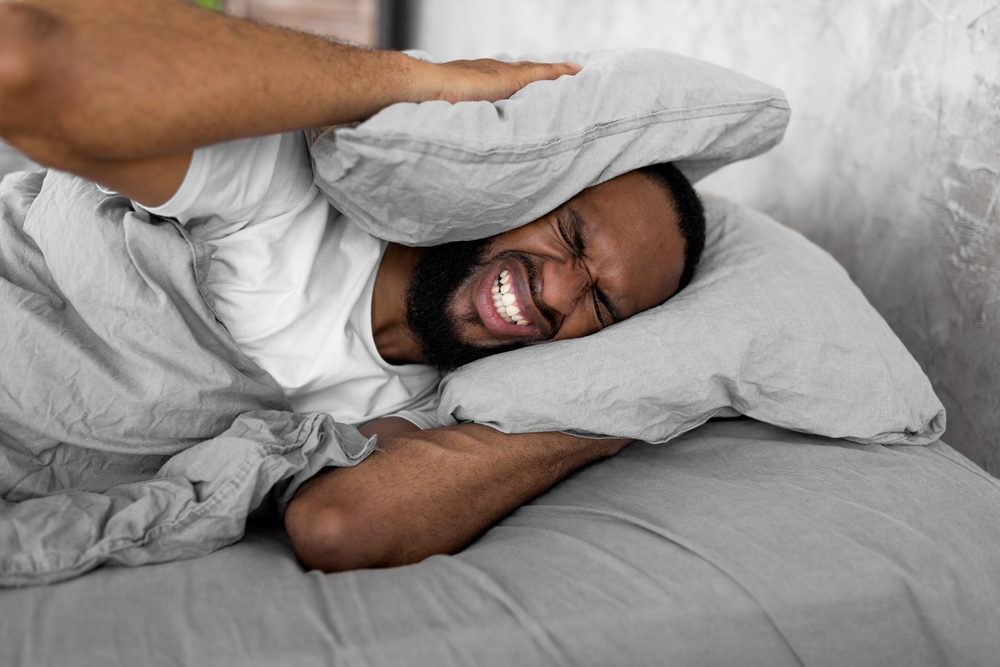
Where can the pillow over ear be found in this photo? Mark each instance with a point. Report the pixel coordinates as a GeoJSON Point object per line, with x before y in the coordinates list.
{"type": "Point", "coordinates": [771, 327]}
{"type": "Point", "coordinates": [423, 174]}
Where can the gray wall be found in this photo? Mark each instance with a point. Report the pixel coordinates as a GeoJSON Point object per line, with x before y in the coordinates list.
{"type": "Point", "coordinates": [11, 160]}
{"type": "Point", "coordinates": [891, 161]}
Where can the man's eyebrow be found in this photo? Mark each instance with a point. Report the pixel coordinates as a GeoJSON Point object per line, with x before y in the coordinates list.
{"type": "Point", "coordinates": [580, 240]}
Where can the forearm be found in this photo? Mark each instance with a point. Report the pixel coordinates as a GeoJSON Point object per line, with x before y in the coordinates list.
{"type": "Point", "coordinates": [427, 493]}
{"type": "Point", "coordinates": [119, 79]}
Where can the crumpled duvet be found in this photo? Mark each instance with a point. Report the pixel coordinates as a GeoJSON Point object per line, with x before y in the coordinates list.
{"type": "Point", "coordinates": [132, 428]}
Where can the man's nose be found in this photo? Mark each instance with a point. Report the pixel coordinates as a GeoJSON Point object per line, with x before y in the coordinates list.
{"type": "Point", "coordinates": [562, 284]}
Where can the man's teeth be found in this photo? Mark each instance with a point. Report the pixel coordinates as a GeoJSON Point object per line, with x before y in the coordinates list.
{"type": "Point", "coordinates": [505, 301]}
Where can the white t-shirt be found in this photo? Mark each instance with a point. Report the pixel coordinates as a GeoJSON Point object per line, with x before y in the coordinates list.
{"type": "Point", "coordinates": [292, 279]}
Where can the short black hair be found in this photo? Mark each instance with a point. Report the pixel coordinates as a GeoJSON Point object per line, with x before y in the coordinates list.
{"type": "Point", "coordinates": [690, 213]}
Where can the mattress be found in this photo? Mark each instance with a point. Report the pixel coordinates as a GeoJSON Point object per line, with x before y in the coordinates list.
{"type": "Point", "coordinates": [737, 543]}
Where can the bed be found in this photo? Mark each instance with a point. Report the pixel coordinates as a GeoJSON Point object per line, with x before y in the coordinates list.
{"type": "Point", "coordinates": [738, 542]}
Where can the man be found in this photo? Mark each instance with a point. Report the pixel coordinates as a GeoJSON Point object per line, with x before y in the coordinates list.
{"type": "Point", "coordinates": [123, 93]}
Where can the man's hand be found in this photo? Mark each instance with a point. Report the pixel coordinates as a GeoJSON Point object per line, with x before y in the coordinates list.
{"type": "Point", "coordinates": [120, 91]}
{"type": "Point", "coordinates": [492, 80]}
{"type": "Point", "coordinates": [428, 492]}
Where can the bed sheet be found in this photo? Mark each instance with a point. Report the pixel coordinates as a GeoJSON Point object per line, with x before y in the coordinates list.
{"type": "Point", "coordinates": [738, 543]}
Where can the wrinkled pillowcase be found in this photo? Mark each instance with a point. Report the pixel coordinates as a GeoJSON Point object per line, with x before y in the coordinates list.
{"type": "Point", "coordinates": [423, 174]}
{"type": "Point", "coordinates": [771, 327]}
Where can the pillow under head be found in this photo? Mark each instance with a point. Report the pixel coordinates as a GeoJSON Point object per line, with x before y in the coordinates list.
{"type": "Point", "coordinates": [423, 174]}
{"type": "Point", "coordinates": [771, 327]}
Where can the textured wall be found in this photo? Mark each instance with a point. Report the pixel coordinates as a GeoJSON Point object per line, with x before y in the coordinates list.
{"type": "Point", "coordinates": [891, 162]}
{"type": "Point", "coordinates": [11, 160]}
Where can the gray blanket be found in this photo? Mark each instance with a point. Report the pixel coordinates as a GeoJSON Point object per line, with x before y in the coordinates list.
{"type": "Point", "coordinates": [738, 543]}
{"type": "Point", "coordinates": [132, 428]}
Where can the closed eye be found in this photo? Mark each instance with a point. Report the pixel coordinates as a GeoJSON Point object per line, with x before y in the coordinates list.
{"type": "Point", "coordinates": [572, 232]}
{"type": "Point", "coordinates": [604, 308]}
{"type": "Point", "coordinates": [571, 238]}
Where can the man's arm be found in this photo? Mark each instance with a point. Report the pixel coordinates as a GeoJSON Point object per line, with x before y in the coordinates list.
{"type": "Point", "coordinates": [387, 427]}
{"type": "Point", "coordinates": [121, 91]}
{"type": "Point", "coordinates": [426, 493]}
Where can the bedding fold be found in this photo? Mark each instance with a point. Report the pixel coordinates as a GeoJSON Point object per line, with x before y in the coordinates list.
{"type": "Point", "coordinates": [108, 338]}
{"type": "Point", "coordinates": [132, 427]}
{"type": "Point", "coordinates": [198, 501]}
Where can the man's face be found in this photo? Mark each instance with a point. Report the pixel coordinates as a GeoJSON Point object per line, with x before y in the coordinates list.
{"type": "Point", "coordinates": [612, 251]}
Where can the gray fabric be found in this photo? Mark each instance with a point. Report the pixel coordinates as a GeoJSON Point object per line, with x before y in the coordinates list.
{"type": "Point", "coordinates": [108, 335]}
{"type": "Point", "coordinates": [737, 544]}
{"type": "Point", "coordinates": [196, 503]}
{"type": "Point", "coordinates": [422, 174]}
{"type": "Point", "coordinates": [132, 428]}
{"type": "Point", "coordinates": [770, 327]}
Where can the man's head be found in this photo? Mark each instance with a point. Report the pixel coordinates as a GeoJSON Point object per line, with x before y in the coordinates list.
{"type": "Point", "coordinates": [614, 250]}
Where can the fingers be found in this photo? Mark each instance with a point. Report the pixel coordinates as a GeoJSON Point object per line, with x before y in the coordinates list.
{"type": "Point", "coordinates": [492, 80]}
{"type": "Point", "coordinates": [546, 71]}
{"type": "Point", "coordinates": [556, 70]}
{"type": "Point", "coordinates": [533, 71]}
{"type": "Point", "coordinates": [567, 67]}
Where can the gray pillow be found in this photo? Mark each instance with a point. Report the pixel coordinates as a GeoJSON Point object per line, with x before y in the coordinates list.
{"type": "Point", "coordinates": [771, 327]}
{"type": "Point", "coordinates": [422, 174]}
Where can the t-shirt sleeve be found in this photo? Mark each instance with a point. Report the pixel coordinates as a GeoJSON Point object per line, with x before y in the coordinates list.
{"type": "Point", "coordinates": [230, 185]}
{"type": "Point", "coordinates": [422, 419]}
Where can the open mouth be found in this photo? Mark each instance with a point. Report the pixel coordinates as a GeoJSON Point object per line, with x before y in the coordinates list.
{"type": "Point", "coordinates": [505, 300]}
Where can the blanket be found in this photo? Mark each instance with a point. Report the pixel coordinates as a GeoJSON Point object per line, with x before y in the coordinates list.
{"type": "Point", "coordinates": [132, 428]}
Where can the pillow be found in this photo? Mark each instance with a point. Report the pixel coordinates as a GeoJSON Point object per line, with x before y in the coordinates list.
{"type": "Point", "coordinates": [771, 327]}
{"type": "Point", "coordinates": [422, 174]}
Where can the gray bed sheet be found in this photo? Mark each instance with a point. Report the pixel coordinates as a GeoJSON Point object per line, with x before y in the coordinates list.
{"type": "Point", "coordinates": [739, 543]}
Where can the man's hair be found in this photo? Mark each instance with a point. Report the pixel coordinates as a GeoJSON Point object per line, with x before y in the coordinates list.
{"type": "Point", "coordinates": [690, 213]}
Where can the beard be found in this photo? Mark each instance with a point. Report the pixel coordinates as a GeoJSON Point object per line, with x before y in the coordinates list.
{"type": "Point", "coordinates": [434, 283]}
